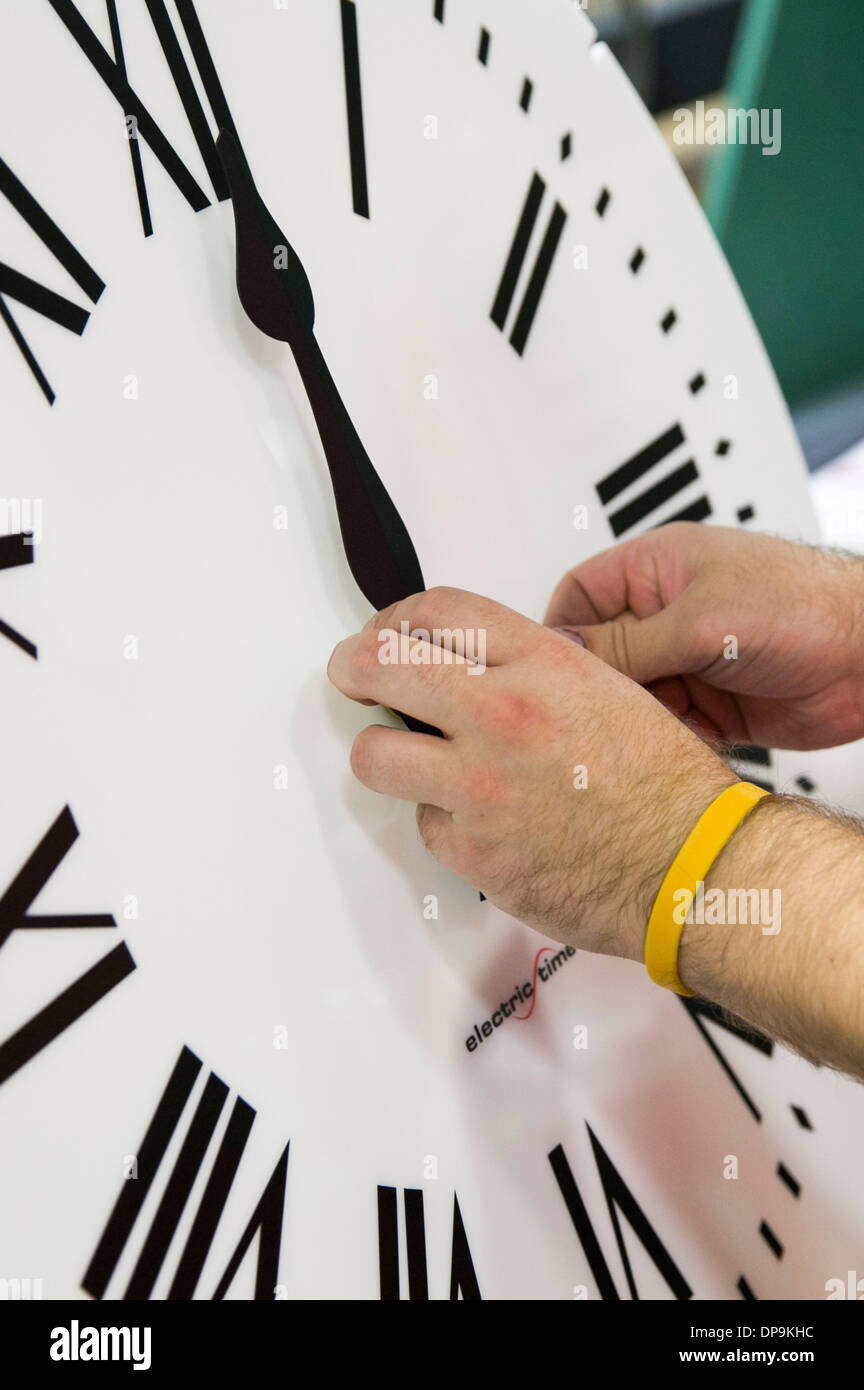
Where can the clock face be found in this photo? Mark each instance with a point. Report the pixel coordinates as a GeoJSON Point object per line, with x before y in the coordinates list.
{"type": "Point", "coordinates": [255, 1041]}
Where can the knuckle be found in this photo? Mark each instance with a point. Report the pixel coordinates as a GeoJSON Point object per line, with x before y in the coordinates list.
{"type": "Point", "coordinates": [512, 714]}
{"type": "Point", "coordinates": [365, 658]}
{"type": "Point", "coordinates": [434, 605]}
{"type": "Point", "coordinates": [386, 617]}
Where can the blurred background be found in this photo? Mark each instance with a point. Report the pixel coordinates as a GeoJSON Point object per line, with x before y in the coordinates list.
{"type": "Point", "coordinates": [791, 224]}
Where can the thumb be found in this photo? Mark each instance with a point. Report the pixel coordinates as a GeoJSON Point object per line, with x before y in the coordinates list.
{"type": "Point", "coordinates": [645, 649]}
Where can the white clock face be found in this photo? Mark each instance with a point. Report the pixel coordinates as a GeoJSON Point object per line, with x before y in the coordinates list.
{"type": "Point", "coordinates": [274, 1004]}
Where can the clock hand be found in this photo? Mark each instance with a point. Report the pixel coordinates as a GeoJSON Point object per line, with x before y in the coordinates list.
{"type": "Point", "coordinates": [276, 295]}
{"type": "Point", "coordinates": [275, 292]}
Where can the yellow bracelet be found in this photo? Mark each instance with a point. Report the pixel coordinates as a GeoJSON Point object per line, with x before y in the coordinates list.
{"type": "Point", "coordinates": [711, 832]}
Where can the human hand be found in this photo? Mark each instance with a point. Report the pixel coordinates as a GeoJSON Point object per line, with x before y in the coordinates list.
{"type": "Point", "coordinates": [498, 800]}
{"type": "Point", "coordinates": [665, 607]}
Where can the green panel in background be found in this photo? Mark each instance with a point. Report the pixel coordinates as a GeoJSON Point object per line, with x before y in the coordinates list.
{"type": "Point", "coordinates": [792, 225]}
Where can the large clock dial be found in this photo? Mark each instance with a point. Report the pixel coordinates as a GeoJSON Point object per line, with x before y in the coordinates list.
{"type": "Point", "coordinates": [255, 1042]}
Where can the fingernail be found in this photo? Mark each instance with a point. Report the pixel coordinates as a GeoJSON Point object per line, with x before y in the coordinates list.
{"type": "Point", "coordinates": [573, 633]}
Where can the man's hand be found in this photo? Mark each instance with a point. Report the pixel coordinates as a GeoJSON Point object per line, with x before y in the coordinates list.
{"type": "Point", "coordinates": [497, 800]}
{"type": "Point", "coordinates": [670, 608]}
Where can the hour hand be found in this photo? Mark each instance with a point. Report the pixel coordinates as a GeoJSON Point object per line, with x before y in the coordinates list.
{"type": "Point", "coordinates": [275, 292]}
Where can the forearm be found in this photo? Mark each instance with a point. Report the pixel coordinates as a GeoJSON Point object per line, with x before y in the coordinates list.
{"type": "Point", "coordinates": [803, 983]}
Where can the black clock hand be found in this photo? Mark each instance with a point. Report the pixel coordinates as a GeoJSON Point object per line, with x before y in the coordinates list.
{"type": "Point", "coordinates": [275, 292]}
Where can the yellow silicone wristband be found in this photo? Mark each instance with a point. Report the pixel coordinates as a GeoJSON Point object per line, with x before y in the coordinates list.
{"type": "Point", "coordinates": [711, 832]}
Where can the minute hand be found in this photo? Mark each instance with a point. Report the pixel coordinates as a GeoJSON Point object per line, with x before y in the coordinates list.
{"type": "Point", "coordinates": [276, 295]}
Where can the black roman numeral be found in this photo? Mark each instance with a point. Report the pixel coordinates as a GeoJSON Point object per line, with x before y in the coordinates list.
{"type": "Point", "coordinates": [15, 915]}
{"type": "Point", "coordinates": [699, 1010]}
{"type": "Point", "coordinates": [624, 518]}
{"type": "Point", "coordinates": [515, 260]}
{"type": "Point", "coordinates": [16, 550]}
{"type": "Point", "coordinates": [29, 882]}
{"type": "Point", "coordinates": [750, 757]}
{"type": "Point", "coordinates": [618, 1198]}
{"type": "Point", "coordinates": [463, 1279]}
{"type": "Point", "coordinates": [354, 108]}
{"type": "Point", "coordinates": [265, 1221]}
{"type": "Point", "coordinates": [15, 285]}
{"type": "Point", "coordinates": [113, 73]}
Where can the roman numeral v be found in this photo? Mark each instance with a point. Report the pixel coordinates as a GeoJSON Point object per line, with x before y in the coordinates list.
{"type": "Point", "coordinates": [266, 1219]}
{"type": "Point", "coordinates": [619, 1198]}
{"type": "Point", "coordinates": [15, 915]}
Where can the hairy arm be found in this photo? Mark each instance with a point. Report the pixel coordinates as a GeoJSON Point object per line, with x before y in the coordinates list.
{"type": "Point", "coordinates": [803, 984]}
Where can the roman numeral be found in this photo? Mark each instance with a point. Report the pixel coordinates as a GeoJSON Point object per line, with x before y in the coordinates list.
{"type": "Point", "coordinates": [16, 550]}
{"type": "Point", "coordinates": [15, 915]}
{"type": "Point", "coordinates": [354, 108]}
{"type": "Point", "coordinates": [33, 294]}
{"type": "Point", "coordinates": [265, 1221]}
{"type": "Point", "coordinates": [463, 1278]}
{"type": "Point", "coordinates": [699, 1010]}
{"type": "Point", "coordinates": [140, 123]}
{"type": "Point", "coordinates": [624, 518]}
{"type": "Point", "coordinates": [750, 757]}
{"type": "Point", "coordinates": [618, 1198]}
{"type": "Point", "coordinates": [29, 882]}
{"type": "Point", "coordinates": [515, 260]}
{"type": "Point", "coordinates": [755, 765]}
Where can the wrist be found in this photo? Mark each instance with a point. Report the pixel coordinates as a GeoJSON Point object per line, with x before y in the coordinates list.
{"type": "Point", "coordinates": [684, 802]}
{"type": "Point", "coordinates": [738, 915]}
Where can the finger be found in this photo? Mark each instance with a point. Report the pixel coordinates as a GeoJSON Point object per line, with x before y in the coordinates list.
{"type": "Point", "coordinates": [641, 575]}
{"type": "Point", "coordinates": [649, 649]}
{"type": "Point", "coordinates": [718, 710]}
{"type": "Point", "coordinates": [673, 693]}
{"type": "Point", "coordinates": [712, 713]}
{"type": "Point", "coordinates": [596, 590]}
{"type": "Point", "coordinates": [411, 767]}
{"type": "Point", "coordinates": [414, 677]}
{"type": "Point", "coordinates": [486, 632]}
